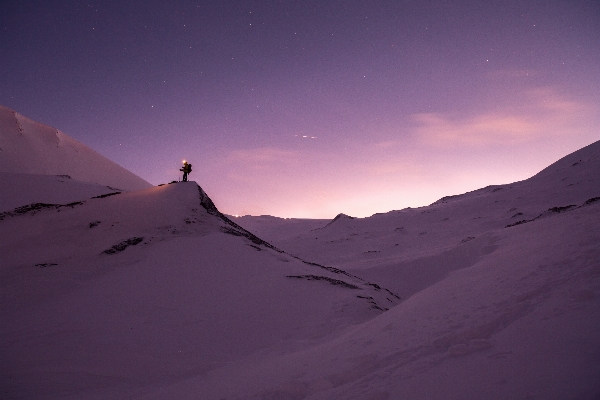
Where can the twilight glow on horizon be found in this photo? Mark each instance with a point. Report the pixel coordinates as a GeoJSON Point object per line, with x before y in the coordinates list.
{"type": "Point", "coordinates": [308, 109]}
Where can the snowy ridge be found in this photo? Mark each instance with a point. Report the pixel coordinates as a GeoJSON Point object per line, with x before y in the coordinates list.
{"type": "Point", "coordinates": [29, 147]}
{"type": "Point", "coordinates": [162, 261]}
{"type": "Point", "coordinates": [408, 234]}
{"type": "Point", "coordinates": [22, 189]}
{"type": "Point", "coordinates": [152, 233]}
{"type": "Point", "coordinates": [495, 308]}
{"type": "Point", "coordinates": [236, 230]}
{"type": "Point", "coordinates": [339, 217]}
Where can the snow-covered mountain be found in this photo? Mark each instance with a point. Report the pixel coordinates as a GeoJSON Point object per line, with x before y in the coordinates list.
{"type": "Point", "coordinates": [502, 289]}
{"type": "Point", "coordinates": [153, 286]}
{"type": "Point", "coordinates": [454, 232]}
{"type": "Point", "coordinates": [117, 292]}
{"type": "Point", "coordinates": [154, 294]}
{"type": "Point", "coordinates": [28, 147]}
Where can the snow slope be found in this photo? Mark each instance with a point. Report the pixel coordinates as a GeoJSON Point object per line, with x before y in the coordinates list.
{"type": "Point", "coordinates": [22, 189]}
{"type": "Point", "coordinates": [452, 233]}
{"type": "Point", "coordinates": [154, 294]}
{"type": "Point", "coordinates": [502, 289]}
{"type": "Point", "coordinates": [520, 322]}
{"type": "Point", "coordinates": [126, 292]}
{"type": "Point", "coordinates": [29, 147]}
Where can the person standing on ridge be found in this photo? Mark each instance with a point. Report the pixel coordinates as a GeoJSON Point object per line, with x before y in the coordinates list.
{"type": "Point", "coordinates": [187, 168]}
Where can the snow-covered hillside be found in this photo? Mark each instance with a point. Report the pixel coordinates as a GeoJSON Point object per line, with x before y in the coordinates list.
{"type": "Point", "coordinates": [126, 291]}
{"type": "Point", "coordinates": [28, 147]}
{"type": "Point", "coordinates": [451, 233]}
{"type": "Point", "coordinates": [20, 189]}
{"type": "Point", "coordinates": [154, 294]}
{"type": "Point", "coordinates": [502, 287]}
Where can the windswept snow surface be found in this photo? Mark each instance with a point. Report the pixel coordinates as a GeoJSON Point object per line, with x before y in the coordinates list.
{"type": "Point", "coordinates": [122, 294]}
{"type": "Point", "coordinates": [154, 294]}
{"type": "Point", "coordinates": [28, 147]}
{"type": "Point", "coordinates": [22, 189]}
{"type": "Point", "coordinates": [502, 289]}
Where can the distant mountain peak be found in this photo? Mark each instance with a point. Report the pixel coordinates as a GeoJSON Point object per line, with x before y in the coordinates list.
{"type": "Point", "coordinates": [340, 216]}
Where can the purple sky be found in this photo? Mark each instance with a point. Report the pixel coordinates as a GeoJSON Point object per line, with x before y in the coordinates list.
{"type": "Point", "coordinates": [312, 108]}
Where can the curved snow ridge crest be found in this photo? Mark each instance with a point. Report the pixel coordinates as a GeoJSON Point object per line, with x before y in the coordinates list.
{"type": "Point", "coordinates": [233, 228]}
{"type": "Point", "coordinates": [35, 208]}
{"type": "Point", "coordinates": [45, 132]}
{"type": "Point", "coordinates": [556, 210]}
{"type": "Point", "coordinates": [380, 299]}
{"type": "Point", "coordinates": [337, 218]}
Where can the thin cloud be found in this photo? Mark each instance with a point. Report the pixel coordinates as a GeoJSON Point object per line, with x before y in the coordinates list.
{"type": "Point", "coordinates": [542, 112]}
{"type": "Point", "coordinates": [548, 99]}
{"type": "Point", "coordinates": [479, 130]}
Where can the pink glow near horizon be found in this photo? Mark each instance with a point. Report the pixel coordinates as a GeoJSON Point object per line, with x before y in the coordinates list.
{"type": "Point", "coordinates": [312, 109]}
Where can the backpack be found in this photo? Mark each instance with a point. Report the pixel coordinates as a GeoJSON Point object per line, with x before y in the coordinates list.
{"type": "Point", "coordinates": [189, 168]}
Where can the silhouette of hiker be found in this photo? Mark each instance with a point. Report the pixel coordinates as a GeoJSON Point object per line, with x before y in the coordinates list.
{"type": "Point", "coordinates": [187, 168]}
